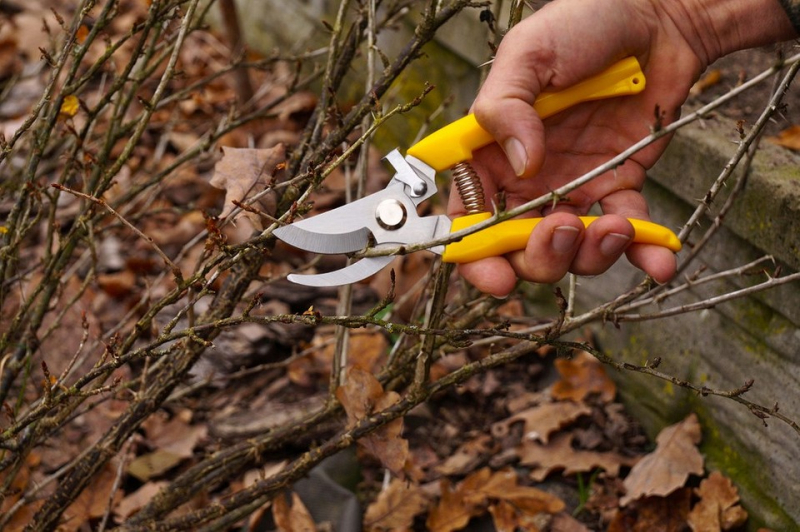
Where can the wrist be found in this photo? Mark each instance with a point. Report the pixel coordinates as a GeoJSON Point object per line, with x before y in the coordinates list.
{"type": "Point", "coordinates": [718, 27]}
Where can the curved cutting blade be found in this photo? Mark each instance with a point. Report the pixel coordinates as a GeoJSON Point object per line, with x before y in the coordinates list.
{"type": "Point", "coordinates": [317, 242]}
{"type": "Point", "coordinates": [349, 274]}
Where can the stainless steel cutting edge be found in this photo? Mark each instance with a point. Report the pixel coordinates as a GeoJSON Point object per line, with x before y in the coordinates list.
{"type": "Point", "coordinates": [389, 215]}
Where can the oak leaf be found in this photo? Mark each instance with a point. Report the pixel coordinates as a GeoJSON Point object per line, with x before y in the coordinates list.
{"type": "Point", "coordinates": [153, 464]}
{"type": "Point", "coordinates": [395, 507]}
{"type": "Point", "coordinates": [486, 489]}
{"type": "Point", "coordinates": [717, 509]}
{"type": "Point", "coordinates": [559, 454]}
{"type": "Point", "coordinates": [542, 420]}
{"type": "Point", "coordinates": [453, 511]}
{"type": "Point", "coordinates": [362, 395]}
{"type": "Point", "coordinates": [244, 172]}
{"type": "Point", "coordinates": [133, 502]}
{"type": "Point", "coordinates": [654, 514]}
{"type": "Point", "coordinates": [93, 502]}
{"type": "Point", "coordinates": [667, 468]}
{"type": "Point", "coordinates": [467, 456]}
{"type": "Point", "coordinates": [294, 518]}
{"type": "Point", "coordinates": [581, 376]}
{"type": "Point", "coordinates": [175, 435]}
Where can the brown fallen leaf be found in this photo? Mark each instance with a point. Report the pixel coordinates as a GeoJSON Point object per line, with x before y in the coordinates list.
{"type": "Point", "coordinates": [582, 376]}
{"type": "Point", "coordinates": [93, 502]}
{"type": "Point", "coordinates": [788, 138]}
{"type": "Point", "coordinates": [654, 514]}
{"type": "Point", "coordinates": [486, 489]}
{"type": "Point", "coordinates": [542, 420]}
{"type": "Point", "coordinates": [710, 79]}
{"type": "Point", "coordinates": [153, 464]}
{"type": "Point", "coordinates": [362, 395]}
{"type": "Point", "coordinates": [717, 509]}
{"type": "Point", "coordinates": [133, 502]}
{"type": "Point", "coordinates": [395, 507]}
{"type": "Point", "coordinates": [367, 350]}
{"type": "Point", "coordinates": [503, 485]}
{"type": "Point", "coordinates": [175, 435]}
{"type": "Point", "coordinates": [467, 456]}
{"type": "Point", "coordinates": [504, 516]}
{"type": "Point", "coordinates": [453, 511]}
{"type": "Point", "coordinates": [558, 454]}
{"type": "Point", "coordinates": [564, 522]}
{"type": "Point", "coordinates": [667, 468]}
{"type": "Point", "coordinates": [294, 518]}
{"type": "Point", "coordinates": [14, 489]}
{"type": "Point", "coordinates": [245, 172]}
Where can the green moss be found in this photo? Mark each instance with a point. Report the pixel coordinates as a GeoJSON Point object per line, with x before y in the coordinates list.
{"type": "Point", "coordinates": [746, 470]}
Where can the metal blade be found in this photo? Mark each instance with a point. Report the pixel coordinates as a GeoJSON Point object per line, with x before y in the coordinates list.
{"type": "Point", "coordinates": [349, 274]}
{"type": "Point", "coordinates": [317, 242]}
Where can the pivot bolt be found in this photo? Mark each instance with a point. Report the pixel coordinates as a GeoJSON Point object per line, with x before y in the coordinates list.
{"type": "Point", "coordinates": [390, 214]}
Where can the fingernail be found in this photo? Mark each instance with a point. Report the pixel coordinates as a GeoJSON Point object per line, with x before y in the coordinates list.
{"type": "Point", "coordinates": [613, 244]}
{"type": "Point", "coordinates": [564, 238]}
{"type": "Point", "coordinates": [517, 155]}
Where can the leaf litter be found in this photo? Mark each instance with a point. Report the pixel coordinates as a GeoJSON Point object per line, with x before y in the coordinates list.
{"type": "Point", "coordinates": [508, 446]}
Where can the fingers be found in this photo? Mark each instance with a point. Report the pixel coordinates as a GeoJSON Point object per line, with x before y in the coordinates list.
{"type": "Point", "coordinates": [560, 244]}
{"type": "Point", "coordinates": [493, 276]}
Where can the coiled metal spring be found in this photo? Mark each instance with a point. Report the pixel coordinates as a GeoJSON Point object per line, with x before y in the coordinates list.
{"type": "Point", "coordinates": [469, 187]}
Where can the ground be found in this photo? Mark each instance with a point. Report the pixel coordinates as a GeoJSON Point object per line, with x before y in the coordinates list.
{"type": "Point", "coordinates": [539, 443]}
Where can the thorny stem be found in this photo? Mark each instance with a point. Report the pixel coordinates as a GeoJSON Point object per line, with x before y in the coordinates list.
{"type": "Point", "coordinates": [174, 350]}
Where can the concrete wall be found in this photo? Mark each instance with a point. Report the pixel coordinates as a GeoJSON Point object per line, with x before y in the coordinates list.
{"type": "Point", "coordinates": [755, 337]}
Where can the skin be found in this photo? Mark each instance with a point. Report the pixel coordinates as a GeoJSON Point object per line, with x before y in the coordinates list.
{"type": "Point", "coordinates": [561, 44]}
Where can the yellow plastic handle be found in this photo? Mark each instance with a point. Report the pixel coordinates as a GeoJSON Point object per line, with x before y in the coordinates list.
{"type": "Point", "coordinates": [455, 142]}
{"type": "Point", "coordinates": [512, 235]}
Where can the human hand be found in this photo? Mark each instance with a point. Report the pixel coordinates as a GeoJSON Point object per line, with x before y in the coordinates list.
{"type": "Point", "coordinates": [562, 44]}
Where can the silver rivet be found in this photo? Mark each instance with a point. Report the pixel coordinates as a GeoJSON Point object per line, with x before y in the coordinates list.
{"type": "Point", "coordinates": [391, 214]}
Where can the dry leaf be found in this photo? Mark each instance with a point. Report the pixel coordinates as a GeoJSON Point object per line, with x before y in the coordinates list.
{"type": "Point", "coordinates": [367, 350]}
{"type": "Point", "coordinates": [467, 456]}
{"type": "Point", "coordinates": [485, 489]}
{"type": "Point", "coordinates": [395, 507]}
{"type": "Point", "coordinates": [504, 516]}
{"type": "Point", "coordinates": [243, 173]}
{"type": "Point", "coordinates": [452, 513]}
{"type": "Point", "coordinates": [667, 468]}
{"type": "Point", "coordinates": [710, 79]}
{"type": "Point", "coordinates": [717, 509]}
{"type": "Point", "coordinates": [542, 420]}
{"type": "Point", "coordinates": [362, 395]}
{"type": "Point", "coordinates": [294, 518]}
{"type": "Point", "coordinates": [69, 107]}
{"type": "Point", "coordinates": [135, 501]}
{"type": "Point", "coordinates": [654, 514]}
{"type": "Point", "coordinates": [502, 485]}
{"type": "Point", "coordinates": [93, 502]}
{"type": "Point", "coordinates": [564, 522]}
{"type": "Point", "coordinates": [581, 376]}
{"type": "Point", "coordinates": [118, 285]}
{"type": "Point", "coordinates": [153, 464]}
{"type": "Point", "coordinates": [14, 489]}
{"type": "Point", "coordinates": [559, 454]}
{"type": "Point", "coordinates": [788, 138]}
{"type": "Point", "coordinates": [175, 435]}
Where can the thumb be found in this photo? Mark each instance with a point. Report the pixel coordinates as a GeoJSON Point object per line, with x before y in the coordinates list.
{"type": "Point", "coordinates": [504, 105]}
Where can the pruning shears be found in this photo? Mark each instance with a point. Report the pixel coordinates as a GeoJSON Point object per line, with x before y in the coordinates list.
{"type": "Point", "coordinates": [390, 216]}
